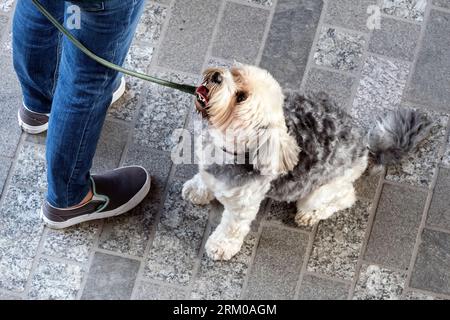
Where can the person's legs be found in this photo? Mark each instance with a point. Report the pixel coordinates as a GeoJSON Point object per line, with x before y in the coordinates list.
{"type": "Point", "coordinates": [36, 51]}
{"type": "Point", "coordinates": [83, 94]}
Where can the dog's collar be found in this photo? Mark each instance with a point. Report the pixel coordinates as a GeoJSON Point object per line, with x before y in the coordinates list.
{"type": "Point", "coordinates": [235, 154]}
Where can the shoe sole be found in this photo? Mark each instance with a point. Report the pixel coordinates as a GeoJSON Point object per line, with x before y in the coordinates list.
{"type": "Point", "coordinates": [136, 200]}
{"type": "Point", "coordinates": [39, 129]}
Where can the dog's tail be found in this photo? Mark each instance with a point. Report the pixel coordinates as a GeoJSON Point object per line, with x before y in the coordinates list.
{"type": "Point", "coordinates": [395, 135]}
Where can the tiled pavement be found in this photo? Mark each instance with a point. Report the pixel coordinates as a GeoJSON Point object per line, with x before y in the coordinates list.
{"type": "Point", "coordinates": [393, 244]}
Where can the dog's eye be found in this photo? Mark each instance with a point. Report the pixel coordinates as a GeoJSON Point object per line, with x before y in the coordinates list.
{"type": "Point", "coordinates": [241, 96]}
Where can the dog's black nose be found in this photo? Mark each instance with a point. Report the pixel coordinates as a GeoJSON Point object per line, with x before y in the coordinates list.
{"type": "Point", "coordinates": [216, 78]}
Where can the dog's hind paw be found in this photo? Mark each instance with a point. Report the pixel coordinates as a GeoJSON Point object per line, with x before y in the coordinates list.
{"type": "Point", "coordinates": [195, 194]}
{"type": "Point", "coordinates": [222, 249]}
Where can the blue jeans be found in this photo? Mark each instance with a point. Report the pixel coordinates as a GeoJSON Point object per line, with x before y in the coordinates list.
{"type": "Point", "coordinates": [58, 79]}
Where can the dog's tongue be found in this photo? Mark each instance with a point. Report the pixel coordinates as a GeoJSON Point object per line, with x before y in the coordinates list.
{"type": "Point", "coordinates": [203, 91]}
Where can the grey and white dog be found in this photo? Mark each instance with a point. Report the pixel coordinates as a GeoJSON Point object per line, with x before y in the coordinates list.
{"type": "Point", "coordinates": [298, 148]}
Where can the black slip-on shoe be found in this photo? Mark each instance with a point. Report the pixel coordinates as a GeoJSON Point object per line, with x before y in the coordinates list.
{"type": "Point", "coordinates": [34, 123]}
{"type": "Point", "coordinates": [115, 192]}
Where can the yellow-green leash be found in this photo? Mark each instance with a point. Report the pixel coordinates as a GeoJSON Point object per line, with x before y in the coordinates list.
{"type": "Point", "coordinates": [182, 87]}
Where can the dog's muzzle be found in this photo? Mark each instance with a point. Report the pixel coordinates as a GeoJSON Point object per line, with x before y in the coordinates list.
{"type": "Point", "coordinates": [201, 103]}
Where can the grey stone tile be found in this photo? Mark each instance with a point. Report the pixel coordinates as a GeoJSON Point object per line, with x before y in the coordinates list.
{"type": "Point", "coordinates": [110, 278]}
{"type": "Point", "coordinates": [280, 252]}
{"type": "Point", "coordinates": [151, 23]}
{"type": "Point", "coordinates": [339, 50]}
{"type": "Point", "coordinates": [336, 85]}
{"type": "Point", "coordinates": [40, 138]}
{"type": "Point", "coordinates": [74, 243]}
{"type": "Point", "coordinates": [395, 227]}
{"type": "Point", "coordinates": [377, 283]}
{"type": "Point", "coordinates": [351, 14]}
{"type": "Point", "coordinates": [439, 212]}
{"type": "Point", "coordinates": [366, 186]}
{"type": "Point", "coordinates": [283, 213]}
{"type": "Point", "coordinates": [129, 233]}
{"type": "Point", "coordinates": [414, 295]}
{"type": "Point", "coordinates": [218, 280]}
{"type": "Point", "coordinates": [110, 148]}
{"type": "Point", "coordinates": [221, 63]}
{"type": "Point", "coordinates": [6, 5]}
{"type": "Point", "coordinates": [164, 2]}
{"type": "Point", "coordinates": [3, 25]}
{"type": "Point", "coordinates": [266, 3]}
{"type": "Point", "coordinates": [153, 291]}
{"type": "Point", "coordinates": [442, 3]}
{"type": "Point", "coordinates": [9, 296]}
{"type": "Point", "coordinates": [5, 164]}
{"type": "Point", "coordinates": [55, 281]}
{"type": "Point", "coordinates": [15, 269]}
{"type": "Point", "coordinates": [431, 271]}
{"type": "Point", "coordinates": [30, 169]}
{"type": "Point", "coordinates": [431, 78]}
{"type": "Point", "coordinates": [126, 107]}
{"type": "Point", "coordinates": [10, 95]}
{"type": "Point", "coordinates": [183, 48]}
{"type": "Point", "coordinates": [396, 39]}
{"type": "Point", "coordinates": [408, 9]}
{"type": "Point", "coordinates": [315, 288]}
{"type": "Point", "coordinates": [178, 238]}
{"type": "Point", "coordinates": [6, 43]}
{"type": "Point", "coordinates": [338, 242]}
{"type": "Point", "coordinates": [446, 157]}
{"type": "Point", "coordinates": [286, 53]}
{"type": "Point", "coordinates": [380, 89]}
{"type": "Point", "coordinates": [163, 111]}
{"type": "Point", "coordinates": [419, 167]}
{"type": "Point", "coordinates": [240, 33]}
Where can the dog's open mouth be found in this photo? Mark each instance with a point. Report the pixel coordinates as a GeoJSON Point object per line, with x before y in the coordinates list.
{"type": "Point", "coordinates": [202, 100]}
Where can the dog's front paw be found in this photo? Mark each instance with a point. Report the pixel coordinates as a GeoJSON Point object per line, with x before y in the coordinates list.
{"type": "Point", "coordinates": [219, 247]}
{"type": "Point", "coordinates": [195, 194]}
{"type": "Point", "coordinates": [306, 219]}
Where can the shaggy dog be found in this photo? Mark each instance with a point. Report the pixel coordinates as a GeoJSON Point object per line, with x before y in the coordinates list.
{"type": "Point", "coordinates": [284, 146]}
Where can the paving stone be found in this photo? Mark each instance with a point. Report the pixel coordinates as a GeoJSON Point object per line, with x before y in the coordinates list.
{"type": "Point", "coordinates": [3, 25]}
{"type": "Point", "coordinates": [10, 95]}
{"type": "Point", "coordinates": [8, 296]}
{"type": "Point", "coordinates": [315, 288]}
{"type": "Point", "coordinates": [283, 213]}
{"type": "Point", "coordinates": [419, 166]}
{"type": "Point", "coordinates": [351, 14]}
{"type": "Point", "coordinates": [6, 5]}
{"type": "Point", "coordinates": [163, 111]}
{"type": "Point", "coordinates": [6, 41]}
{"type": "Point", "coordinates": [129, 233]}
{"type": "Point", "coordinates": [110, 148]}
{"type": "Point", "coordinates": [336, 85]}
{"type": "Point", "coordinates": [217, 62]}
{"type": "Point", "coordinates": [151, 23]}
{"type": "Point", "coordinates": [439, 212]}
{"type": "Point", "coordinates": [380, 89]}
{"type": "Point", "coordinates": [431, 271]}
{"type": "Point", "coordinates": [178, 238]}
{"type": "Point", "coordinates": [431, 78]}
{"type": "Point", "coordinates": [188, 35]}
{"type": "Point", "coordinates": [446, 157]}
{"type": "Point", "coordinates": [442, 3]}
{"type": "Point", "coordinates": [340, 50]}
{"type": "Point", "coordinates": [408, 9]}
{"type": "Point", "coordinates": [395, 227]}
{"type": "Point", "coordinates": [217, 280]}
{"type": "Point", "coordinates": [240, 33]}
{"type": "Point", "coordinates": [377, 283]}
{"type": "Point", "coordinates": [110, 278]}
{"type": "Point", "coordinates": [366, 186]}
{"type": "Point", "coordinates": [286, 53]}
{"type": "Point", "coordinates": [5, 164]}
{"type": "Point", "coordinates": [266, 3]}
{"type": "Point", "coordinates": [30, 168]}
{"type": "Point", "coordinates": [280, 252]}
{"type": "Point", "coordinates": [153, 291]}
{"type": "Point", "coordinates": [165, 2]}
{"type": "Point", "coordinates": [396, 39]}
{"type": "Point", "coordinates": [55, 281]}
{"type": "Point", "coordinates": [414, 295]}
{"type": "Point", "coordinates": [338, 242]}
{"type": "Point", "coordinates": [74, 243]}
{"type": "Point", "coordinates": [15, 269]}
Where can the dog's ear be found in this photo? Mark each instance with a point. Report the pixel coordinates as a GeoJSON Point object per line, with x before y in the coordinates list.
{"type": "Point", "coordinates": [276, 152]}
